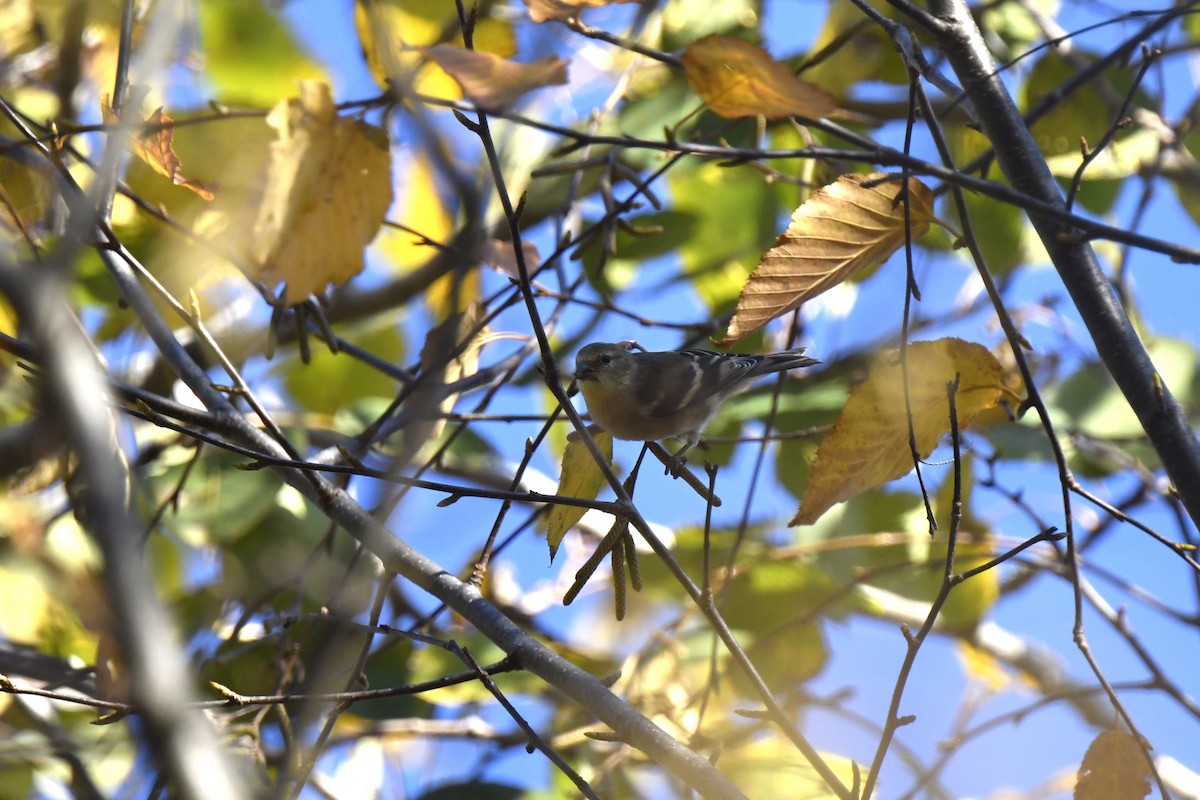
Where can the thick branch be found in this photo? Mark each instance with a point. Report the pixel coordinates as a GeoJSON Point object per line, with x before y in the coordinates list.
{"type": "Point", "coordinates": [76, 394]}
{"type": "Point", "coordinates": [1119, 347]}
{"type": "Point", "coordinates": [398, 558]}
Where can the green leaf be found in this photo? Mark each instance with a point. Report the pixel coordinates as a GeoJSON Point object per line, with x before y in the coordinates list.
{"type": "Point", "coordinates": [1002, 231]}
{"type": "Point", "coordinates": [252, 57]}
{"type": "Point", "coordinates": [16, 777]}
{"type": "Point", "coordinates": [389, 667]}
{"type": "Point", "coordinates": [785, 657]}
{"type": "Point", "coordinates": [219, 503]}
{"type": "Point", "coordinates": [866, 55]}
{"type": "Point", "coordinates": [1016, 25]}
{"type": "Point", "coordinates": [738, 216]}
{"type": "Point", "coordinates": [661, 234]}
{"type": "Point", "coordinates": [768, 595]}
{"type": "Point", "coordinates": [771, 767]}
{"type": "Point", "coordinates": [1086, 114]}
{"type": "Point", "coordinates": [432, 663]}
{"type": "Point", "coordinates": [685, 21]}
{"type": "Point", "coordinates": [333, 380]}
{"type": "Point", "coordinates": [1095, 406]}
{"type": "Point", "coordinates": [278, 552]}
{"type": "Point", "coordinates": [658, 98]}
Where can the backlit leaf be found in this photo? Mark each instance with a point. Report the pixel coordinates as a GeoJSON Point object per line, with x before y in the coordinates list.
{"type": "Point", "coordinates": [332, 381]}
{"type": "Point", "coordinates": [327, 189]}
{"type": "Point", "coordinates": [982, 666]}
{"type": "Point", "coordinates": [18, 27]}
{"type": "Point", "coordinates": [1114, 768]}
{"type": "Point", "coordinates": [157, 149]}
{"type": "Point", "coordinates": [492, 81]}
{"type": "Point", "coordinates": [849, 225]}
{"type": "Point", "coordinates": [251, 56]}
{"type": "Point", "coordinates": [853, 52]}
{"type": "Point", "coordinates": [581, 477]}
{"type": "Point", "coordinates": [1085, 113]}
{"type": "Point", "coordinates": [542, 10]}
{"type": "Point", "coordinates": [765, 767]}
{"type": "Point", "coordinates": [728, 215]}
{"type": "Point", "coordinates": [393, 32]}
{"type": "Point", "coordinates": [1122, 157]}
{"type": "Point", "coordinates": [739, 79]}
{"type": "Point", "coordinates": [868, 444]}
{"type": "Point", "coordinates": [24, 593]}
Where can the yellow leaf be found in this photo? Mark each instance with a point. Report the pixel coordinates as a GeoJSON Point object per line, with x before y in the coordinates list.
{"type": "Point", "coordinates": [868, 444]}
{"type": "Point", "coordinates": [425, 224]}
{"type": "Point", "coordinates": [739, 79]}
{"type": "Point", "coordinates": [853, 223]}
{"type": "Point", "coordinates": [18, 27]}
{"type": "Point", "coordinates": [9, 327]}
{"type": "Point", "coordinates": [24, 595]}
{"type": "Point", "coordinates": [1114, 768]}
{"type": "Point", "coordinates": [982, 666]}
{"type": "Point", "coordinates": [764, 767]}
{"type": "Point", "coordinates": [542, 10]}
{"type": "Point", "coordinates": [492, 81]}
{"type": "Point", "coordinates": [975, 546]}
{"type": "Point", "coordinates": [581, 477]}
{"type": "Point", "coordinates": [328, 187]}
{"type": "Point", "coordinates": [392, 33]}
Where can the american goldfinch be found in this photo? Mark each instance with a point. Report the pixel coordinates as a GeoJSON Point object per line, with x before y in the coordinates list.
{"type": "Point", "coordinates": [648, 396]}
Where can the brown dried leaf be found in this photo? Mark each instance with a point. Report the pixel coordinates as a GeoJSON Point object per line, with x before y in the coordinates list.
{"type": "Point", "coordinates": [492, 81]}
{"type": "Point", "coordinates": [328, 186]}
{"type": "Point", "coordinates": [1114, 768]}
{"type": "Point", "coordinates": [853, 223]}
{"type": "Point", "coordinates": [451, 353]}
{"type": "Point", "coordinates": [542, 10]}
{"type": "Point", "coordinates": [868, 443]}
{"type": "Point", "coordinates": [739, 79]}
{"type": "Point", "coordinates": [500, 254]}
{"type": "Point", "coordinates": [156, 148]}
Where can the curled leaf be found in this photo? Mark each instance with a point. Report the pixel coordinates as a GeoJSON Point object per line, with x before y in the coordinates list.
{"type": "Point", "coordinates": [492, 81]}
{"type": "Point", "coordinates": [156, 148]}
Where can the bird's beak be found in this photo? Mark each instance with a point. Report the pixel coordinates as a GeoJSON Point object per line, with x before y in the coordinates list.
{"type": "Point", "coordinates": [585, 374]}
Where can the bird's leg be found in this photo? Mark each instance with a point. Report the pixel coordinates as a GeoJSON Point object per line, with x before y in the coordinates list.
{"type": "Point", "coordinates": [687, 475]}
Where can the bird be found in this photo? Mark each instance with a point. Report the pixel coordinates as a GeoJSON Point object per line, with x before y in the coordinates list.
{"type": "Point", "coordinates": [646, 396]}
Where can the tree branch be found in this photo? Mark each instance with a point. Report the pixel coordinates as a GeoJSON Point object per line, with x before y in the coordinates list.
{"type": "Point", "coordinates": [1119, 347]}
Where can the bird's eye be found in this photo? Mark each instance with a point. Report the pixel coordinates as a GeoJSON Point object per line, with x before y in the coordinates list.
{"type": "Point", "coordinates": [605, 360]}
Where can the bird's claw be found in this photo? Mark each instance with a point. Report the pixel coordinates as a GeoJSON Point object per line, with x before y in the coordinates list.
{"type": "Point", "coordinates": [675, 467]}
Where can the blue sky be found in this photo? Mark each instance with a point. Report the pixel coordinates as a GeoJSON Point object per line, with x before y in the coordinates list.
{"type": "Point", "coordinates": [866, 654]}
